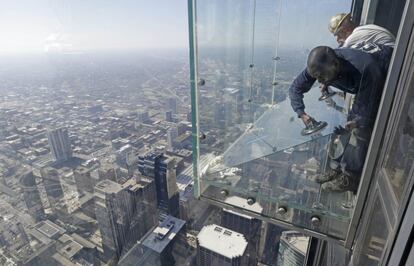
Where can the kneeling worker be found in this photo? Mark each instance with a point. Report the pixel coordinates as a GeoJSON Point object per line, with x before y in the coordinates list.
{"type": "Point", "coordinates": [355, 72]}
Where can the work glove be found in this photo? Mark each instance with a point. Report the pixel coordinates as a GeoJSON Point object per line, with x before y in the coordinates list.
{"type": "Point", "coordinates": [339, 130]}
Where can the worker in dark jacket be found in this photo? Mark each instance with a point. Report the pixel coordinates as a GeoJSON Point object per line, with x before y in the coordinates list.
{"type": "Point", "coordinates": [355, 72]}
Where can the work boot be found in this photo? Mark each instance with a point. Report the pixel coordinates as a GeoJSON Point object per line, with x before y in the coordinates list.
{"type": "Point", "coordinates": [341, 184]}
{"type": "Point", "coordinates": [328, 176]}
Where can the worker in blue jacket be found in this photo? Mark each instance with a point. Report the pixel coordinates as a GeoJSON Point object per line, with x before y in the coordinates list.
{"type": "Point", "coordinates": [355, 72]}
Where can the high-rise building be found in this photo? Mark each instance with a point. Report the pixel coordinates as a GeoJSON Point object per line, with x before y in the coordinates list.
{"type": "Point", "coordinates": [156, 248]}
{"type": "Point", "coordinates": [218, 246]}
{"type": "Point", "coordinates": [172, 134]}
{"type": "Point", "coordinates": [172, 104]}
{"type": "Point", "coordinates": [248, 226]}
{"type": "Point", "coordinates": [51, 181]}
{"type": "Point", "coordinates": [168, 116]}
{"type": "Point", "coordinates": [31, 196]}
{"type": "Point", "coordinates": [85, 179]}
{"type": "Point", "coordinates": [109, 171]}
{"type": "Point", "coordinates": [244, 224]}
{"type": "Point", "coordinates": [292, 248]}
{"type": "Point", "coordinates": [143, 117]}
{"type": "Point", "coordinates": [162, 169]}
{"type": "Point", "coordinates": [183, 127]}
{"type": "Point", "coordinates": [125, 213]}
{"type": "Point", "coordinates": [59, 143]}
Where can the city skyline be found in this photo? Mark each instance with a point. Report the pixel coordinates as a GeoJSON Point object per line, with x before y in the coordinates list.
{"type": "Point", "coordinates": [110, 155]}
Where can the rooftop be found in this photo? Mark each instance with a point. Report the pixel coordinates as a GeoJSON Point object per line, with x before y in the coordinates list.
{"type": "Point", "coordinates": [222, 241]}
{"type": "Point", "coordinates": [49, 229]}
{"type": "Point", "coordinates": [163, 234]}
{"type": "Point", "coordinates": [296, 240]}
{"type": "Point", "coordinates": [108, 186]}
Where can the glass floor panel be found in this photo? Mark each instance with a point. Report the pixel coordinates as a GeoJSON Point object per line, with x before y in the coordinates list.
{"type": "Point", "coordinates": [279, 129]}
{"type": "Point", "coordinates": [277, 166]}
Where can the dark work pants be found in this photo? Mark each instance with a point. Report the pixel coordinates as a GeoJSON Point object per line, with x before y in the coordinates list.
{"type": "Point", "coordinates": [353, 158]}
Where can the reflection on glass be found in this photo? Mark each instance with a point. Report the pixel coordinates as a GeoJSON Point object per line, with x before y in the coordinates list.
{"type": "Point", "coordinates": [376, 237]}
{"type": "Point", "coordinates": [399, 161]}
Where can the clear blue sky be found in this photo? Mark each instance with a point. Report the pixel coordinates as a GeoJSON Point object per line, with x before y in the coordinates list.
{"type": "Point", "coordinates": [82, 25]}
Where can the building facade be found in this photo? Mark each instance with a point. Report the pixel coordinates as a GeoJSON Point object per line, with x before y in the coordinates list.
{"type": "Point", "coordinates": [219, 246]}
{"type": "Point", "coordinates": [59, 143]}
{"type": "Point", "coordinates": [162, 169]}
{"type": "Point", "coordinates": [125, 213]}
{"type": "Point", "coordinates": [31, 196]}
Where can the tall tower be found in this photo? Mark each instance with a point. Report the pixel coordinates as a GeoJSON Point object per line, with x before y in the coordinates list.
{"type": "Point", "coordinates": [172, 134]}
{"type": "Point", "coordinates": [244, 224]}
{"type": "Point", "coordinates": [125, 213]}
{"type": "Point", "coordinates": [292, 249]}
{"type": "Point", "coordinates": [51, 181]}
{"type": "Point", "coordinates": [59, 143]}
{"type": "Point", "coordinates": [31, 196]}
{"type": "Point", "coordinates": [162, 169]}
{"type": "Point", "coordinates": [172, 104]}
{"type": "Point", "coordinates": [217, 245]}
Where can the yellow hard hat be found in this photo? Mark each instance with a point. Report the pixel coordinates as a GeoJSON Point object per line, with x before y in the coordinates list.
{"type": "Point", "coordinates": [336, 22]}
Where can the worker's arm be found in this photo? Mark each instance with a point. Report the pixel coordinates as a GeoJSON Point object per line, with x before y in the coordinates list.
{"type": "Point", "coordinates": [302, 84]}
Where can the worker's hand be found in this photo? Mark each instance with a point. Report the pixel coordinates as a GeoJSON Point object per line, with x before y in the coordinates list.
{"type": "Point", "coordinates": [351, 125]}
{"type": "Point", "coordinates": [323, 88]}
{"type": "Point", "coordinates": [330, 102]}
{"type": "Point", "coordinates": [339, 130]}
{"type": "Point", "coordinates": [305, 118]}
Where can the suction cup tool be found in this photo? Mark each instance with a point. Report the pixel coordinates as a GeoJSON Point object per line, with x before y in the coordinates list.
{"type": "Point", "coordinates": [326, 94]}
{"type": "Point", "coordinates": [313, 126]}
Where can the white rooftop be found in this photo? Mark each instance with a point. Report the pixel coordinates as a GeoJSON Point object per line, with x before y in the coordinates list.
{"type": "Point", "coordinates": [222, 241]}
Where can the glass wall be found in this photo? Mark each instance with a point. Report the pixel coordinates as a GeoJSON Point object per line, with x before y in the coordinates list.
{"type": "Point", "coordinates": [399, 161]}
{"type": "Point", "coordinates": [376, 236]}
{"type": "Point", "coordinates": [247, 55]}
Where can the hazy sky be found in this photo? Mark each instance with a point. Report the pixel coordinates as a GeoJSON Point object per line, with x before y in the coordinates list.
{"type": "Point", "coordinates": [303, 23]}
{"type": "Point", "coordinates": [78, 25]}
{"type": "Point", "coordinates": [82, 25]}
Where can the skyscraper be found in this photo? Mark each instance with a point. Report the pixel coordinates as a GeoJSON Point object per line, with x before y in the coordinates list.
{"type": "Point", "coordinates": [84, 179]}
{"type": "Point", "coordinates": [51, 181]}
{"type": "Point", "coordinates": [59, 143]}
{"type": "Point", "coordinates": [162, 169]}
{"type": "Point", "coordinates": [125, 213]}
{"type": "Point", "coordinates": [31, 196]}
{"type": "Point", "coordinates": [172, 134]}
{"type": "Point", "coordinates": [244, 224]}
{"type": "Point", "coordinates": [168, 116]}
{"type": "Point", "coordinates": [217, 246]}
{"type": "Point", "coordinates": [172, 104]}
{"type": "Point", "coordinates": [156, 248]}
{"type": "Point", "coordinates": [143, 117]}
{"type": "Point", "coordinates": [292, 248]}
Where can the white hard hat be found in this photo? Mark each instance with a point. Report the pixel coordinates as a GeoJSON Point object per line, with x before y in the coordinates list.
{"type": "Point", "coordinates": [336, 22]}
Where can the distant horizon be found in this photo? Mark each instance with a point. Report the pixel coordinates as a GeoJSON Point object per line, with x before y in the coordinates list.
{"type": "Point", "coordinates": [61, 26]}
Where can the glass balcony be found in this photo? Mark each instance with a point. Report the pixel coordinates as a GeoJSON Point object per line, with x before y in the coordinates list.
{"type": "Point", "coordinates": [249, 142]}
